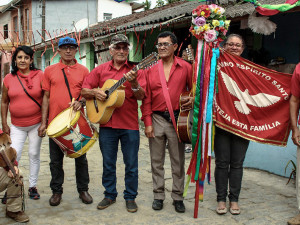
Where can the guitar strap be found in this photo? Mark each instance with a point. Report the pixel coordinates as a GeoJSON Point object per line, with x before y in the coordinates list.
{"type": "Point", "coordinates": [166, 93]}
{"type": "Point", "coordinates": [68, 86]}
{"type": "Point", "coordinates": [28, 93]}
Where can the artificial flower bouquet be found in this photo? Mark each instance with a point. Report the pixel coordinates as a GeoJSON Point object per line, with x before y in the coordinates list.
{"type": "Point", "coordinates": [209, 23]}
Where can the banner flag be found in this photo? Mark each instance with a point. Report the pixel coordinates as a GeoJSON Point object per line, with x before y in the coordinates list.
{"type": "Point", "coordinates": [252, 101]}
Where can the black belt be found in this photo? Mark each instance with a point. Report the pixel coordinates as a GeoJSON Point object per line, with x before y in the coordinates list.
{"type": "Point", "coordinates": [166, 115]}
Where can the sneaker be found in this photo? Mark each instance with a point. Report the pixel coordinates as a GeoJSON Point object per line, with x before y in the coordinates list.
{"type": "Point", "coordinates": [33, 193]}
{"type": "Point", "coordinates": [105, 203]}
{"type": "Point", "coordinates": [131, 206]}
{"type": "Point", "coordinates": [20, 216]}
{"type": "Point", "coordinates": [4, 199]}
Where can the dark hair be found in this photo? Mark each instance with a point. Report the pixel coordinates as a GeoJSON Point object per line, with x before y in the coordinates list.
{"type": "Point", "coordinates": [168, 34]}
{"type": "Point", "coordinates": [28, 51]}
{"type": "Point", "coordinates": [237, 36]}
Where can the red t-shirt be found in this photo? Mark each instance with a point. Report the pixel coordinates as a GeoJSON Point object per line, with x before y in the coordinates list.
{"type": "Point", "coordinates": [23, 110]}
{"type": "Point", "coordinates": [54, 82]}
{"type": "Point", "coordinates": [125, 117]}
{"type": "Point", "coordinates": [180, 80]}
{"type": "Point", "coordinates": [295, 83]}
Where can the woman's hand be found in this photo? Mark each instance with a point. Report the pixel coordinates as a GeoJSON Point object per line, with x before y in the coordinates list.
{"type": "Point", "coordinates": [6, 129]}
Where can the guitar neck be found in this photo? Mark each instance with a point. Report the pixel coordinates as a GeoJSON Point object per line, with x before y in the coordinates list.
{"type": "Point", "coordinates": [8, 163]}
{"type": "Point", "coordinates": [120, 82]}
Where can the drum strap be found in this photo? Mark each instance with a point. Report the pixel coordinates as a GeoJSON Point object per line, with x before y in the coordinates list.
{"type": "Point", "coordinates": [28, 93]}
{"type": "Point", "coordinates": [68, 86]}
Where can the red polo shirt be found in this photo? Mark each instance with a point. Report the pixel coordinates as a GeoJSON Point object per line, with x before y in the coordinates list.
{"type": "Point", "coordinates": [54, 82]}
{"type": "Point", "coordinates": [180, 80]}
{"type": "Point", "coordinates": [125, 117]}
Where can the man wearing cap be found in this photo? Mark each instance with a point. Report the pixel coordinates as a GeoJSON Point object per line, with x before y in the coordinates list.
{"type": "Point", "coordinates": [62, 81]}
{"type": "Point", "coordinates": [123, 125]}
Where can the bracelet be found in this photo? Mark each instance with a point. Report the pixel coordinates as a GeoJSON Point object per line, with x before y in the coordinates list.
{"type": "Point", "coordinates": [137, 88]}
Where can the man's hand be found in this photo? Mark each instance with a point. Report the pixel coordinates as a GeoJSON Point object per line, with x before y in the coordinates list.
{"type": "Point", "coordinates": [42, 130]}
{"type": "Point", "coordinates": [188, 103]}
{"type": "Point", "coordinates": [99, 94]}
{"type": "Point", "coordinates": [76, 105]}
{"type": "Point", "coordinates": [149, 131]}
{"type": "Point", "coordinates": [10, 174]}
{"type": "Point", "coordinates": [131, 76]}
{"type": "Point", "coordinates": [296, 136]}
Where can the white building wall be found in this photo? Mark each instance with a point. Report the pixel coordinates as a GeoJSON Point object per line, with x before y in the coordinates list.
{"type": "Point", "coordinates": [5, 18]}
{"type": "Point", "coordinates": [113, 7]}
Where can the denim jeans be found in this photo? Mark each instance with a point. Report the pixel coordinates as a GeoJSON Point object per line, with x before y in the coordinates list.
{"type": "Point", "coordinates": [57, 172]}
{"type": "Point", "coordinates": [130, 140]}
{"type": "Point", "coordinates": [230, 151]}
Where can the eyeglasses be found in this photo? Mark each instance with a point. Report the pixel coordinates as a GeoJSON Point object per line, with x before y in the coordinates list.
{"type": "Point", "coordinates": [163, 44]}
{"type": "Point", "coordinates": [65, 47]}
{"type": "Point", "coordinates": [233, 44]}
{"type": "Point", "coordinates": [118, 48]}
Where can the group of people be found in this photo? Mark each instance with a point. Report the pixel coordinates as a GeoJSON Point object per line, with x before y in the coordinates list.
{"type": "Point", "coordinates": [35, 98]}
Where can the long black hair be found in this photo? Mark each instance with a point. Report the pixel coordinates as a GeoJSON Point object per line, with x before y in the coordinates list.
{"type": "Point", "coordinates": [28, 51]}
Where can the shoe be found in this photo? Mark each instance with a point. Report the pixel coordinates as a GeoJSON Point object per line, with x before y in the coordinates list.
{"type": "Point", "coordinates": [55, 199]}
{"type": "Point", "coordinates": [20, 216]}
{"type": "Point", "coordinates": [188, 149]}
{"type": "Point", "coordinates": [131, 206]}
{"type": "Point", "coordinates": [179, 206]}
{"type": "Point", "coordinates": [221, 211]}
{"type": "Point", "coordinates": [105, 203]}
{"type": "Point", "coordinates": [33, 193]}
{"type": "Point", "coordinates": [85, 197]}
{"type": "Point", "coordinates": [294, 221]}
{"type": "Point", "coordinates": [157, 204]}
{"type": "Point", "coordinates": [4, 199]}
{"type": "Point", "coordinates": [234, 211]}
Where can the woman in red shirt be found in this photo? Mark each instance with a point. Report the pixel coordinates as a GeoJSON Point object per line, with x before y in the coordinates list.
{"type": "Point", "coordinates": [22, 94]}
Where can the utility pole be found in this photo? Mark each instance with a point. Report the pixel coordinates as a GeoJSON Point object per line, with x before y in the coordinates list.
{"type": "Point", "coordinates": [43, 18]}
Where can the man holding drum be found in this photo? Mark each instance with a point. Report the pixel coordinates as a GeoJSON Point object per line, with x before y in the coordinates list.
{"type": "Point", "coordinates": [63, 81]}
{"type": "Point", "coordinates": [123, 125]}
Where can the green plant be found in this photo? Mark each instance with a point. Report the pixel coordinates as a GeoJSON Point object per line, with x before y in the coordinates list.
{"type": "Point", "coordinates": [294, 168]}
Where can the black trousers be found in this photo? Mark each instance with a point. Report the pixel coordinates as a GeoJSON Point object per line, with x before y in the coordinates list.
{"type": "Point", "coordinates": [57, 172]}
{"type": "Point", "coordinates": [230, 151]}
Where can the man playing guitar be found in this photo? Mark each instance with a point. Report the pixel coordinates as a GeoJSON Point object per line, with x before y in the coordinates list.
{"type": "Point", "coordinates": [122, 126]}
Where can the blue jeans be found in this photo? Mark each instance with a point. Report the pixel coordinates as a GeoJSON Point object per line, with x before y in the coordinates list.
{"type": "Point", "coordinates": [109, 140]}
{"type": "Point", "coordinates": [230, 151]}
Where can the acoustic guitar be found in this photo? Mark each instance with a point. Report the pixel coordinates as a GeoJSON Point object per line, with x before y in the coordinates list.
{"type": "Point", "coordinates": [101, 111]}
{"type": "Point", "coordinates": [185, 118]}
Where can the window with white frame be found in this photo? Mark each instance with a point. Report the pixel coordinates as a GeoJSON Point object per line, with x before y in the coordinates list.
{"type": "Point", "coordinates": [107, 16]}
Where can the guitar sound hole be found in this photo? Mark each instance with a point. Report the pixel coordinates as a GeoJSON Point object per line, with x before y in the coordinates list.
{"type": "Point", "coordinates": [107, 94]}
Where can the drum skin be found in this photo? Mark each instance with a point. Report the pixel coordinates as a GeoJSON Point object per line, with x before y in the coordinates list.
{"type": "Point", "coordinates": [76, 139]}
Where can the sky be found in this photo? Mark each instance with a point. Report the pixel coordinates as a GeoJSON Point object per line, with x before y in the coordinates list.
{"type": "Point", "coordinates": [4, 2]}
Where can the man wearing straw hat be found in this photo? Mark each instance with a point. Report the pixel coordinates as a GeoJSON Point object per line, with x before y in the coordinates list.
{"type": "Point", "coordinates": [62, 81]}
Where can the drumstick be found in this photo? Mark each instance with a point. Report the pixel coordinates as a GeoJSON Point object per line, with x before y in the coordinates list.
{"type": "Point", "coordinates": [70, 114]}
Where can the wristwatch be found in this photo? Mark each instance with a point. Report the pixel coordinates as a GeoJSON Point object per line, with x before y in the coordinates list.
{"type": "Point", "coordinates": [137, 88]}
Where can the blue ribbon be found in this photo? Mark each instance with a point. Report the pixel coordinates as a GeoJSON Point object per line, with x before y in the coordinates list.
{"type": "Point", "coordinates": [215, 56]}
